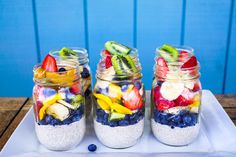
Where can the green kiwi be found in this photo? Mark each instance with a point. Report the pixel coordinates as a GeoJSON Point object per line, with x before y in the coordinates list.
{"type": "Point", "coordinates": [116, 48]}
{"type": "Point", "coordinates": [169, 53]}
{"type": "Point", "coordinates": [123, 64]}
{"type": "Point", "coordinates": [116, 116]}
{"type": "Point", "coordinates": [67, 53]}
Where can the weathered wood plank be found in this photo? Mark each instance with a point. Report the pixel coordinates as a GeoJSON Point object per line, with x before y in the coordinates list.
{"type": "Point", "coordinates": [6, 135]}
{"type": "Point", "coordinates": [8, 109]}
{"type": "Point", "coordinates": [227, 100]}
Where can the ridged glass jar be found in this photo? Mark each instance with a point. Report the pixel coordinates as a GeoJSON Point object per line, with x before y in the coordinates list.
{"type": "Point", "coordinates": [59, 106]}
{"type": "Point", "coordinates": [176, 98]}
{"type": "Point", "coordinates": [119, 100]}
{"type": "Point", "coordinates": [82, 59]}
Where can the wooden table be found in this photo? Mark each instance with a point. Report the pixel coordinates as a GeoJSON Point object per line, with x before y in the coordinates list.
{"type": "Point", "coordinates": [12, 110]}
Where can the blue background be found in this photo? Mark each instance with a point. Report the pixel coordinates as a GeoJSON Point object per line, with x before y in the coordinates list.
{"type": "Point", "coordinates": [30, 28]}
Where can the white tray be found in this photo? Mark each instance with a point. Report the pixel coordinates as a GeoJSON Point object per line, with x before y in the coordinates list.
{"type": "Point", "coordinates": [217, 137]}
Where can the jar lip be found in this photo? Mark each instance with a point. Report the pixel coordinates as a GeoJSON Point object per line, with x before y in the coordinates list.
{"type": "Point", "coordinates": [82, 54]}
{"type": "Point", "coordinates": [133, 52]}
{"type": "Point", "coordinates": [189, 49]}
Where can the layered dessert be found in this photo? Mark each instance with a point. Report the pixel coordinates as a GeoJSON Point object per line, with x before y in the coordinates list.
{"type": "Point", "coordinates": [176, 96]}
{"type": "Point", "coordinates": [119, 97]}
{"type": "Point", "coordinates": [58, 104]}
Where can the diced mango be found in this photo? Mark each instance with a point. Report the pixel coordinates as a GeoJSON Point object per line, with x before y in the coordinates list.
{"type": "Point", "coordinates": [39, 73]}
{"type": "Point", "coordinates": [104, 98]}
{"type": "Point", "coordinates": [103, 104]}
{"type": "Point", "coordinates": [120, 109]}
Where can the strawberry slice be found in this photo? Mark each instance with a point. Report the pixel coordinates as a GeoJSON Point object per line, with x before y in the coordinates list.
{"type": "Point", "coordinates": [183, 55]}
{"type": "Point", "coordinates": [108, 62]}
{"type": "Point", "coordinates": [132, 99]}
{"type": "Point", "coordinates": [156, 94]}
{"type": "Point", "coordinates": [49, 64]}
{"type": "Point", "coordinates": [182, 101]}
{"type": "Point", "coordinates": [165, 105]}
{"type": "Point", "coordinates": [75, 89]}
{"type": "Point", "coordinates": [162, 67]}
{"type": "Point", "coordinates": [192, 62]}
{"type": "Point", "coordinates": [107, 53]}
{"type": "Point", "coordinates": [196, 87]}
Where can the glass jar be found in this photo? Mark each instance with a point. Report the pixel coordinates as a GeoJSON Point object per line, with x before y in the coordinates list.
{"type": "Point", "coordinates": [59, 106]}
{"type": "Point", "coordinates": [176, 96]}
{"type": "Point", "coordinates": [119, 101]}
{"type": "Point", "coordinates": [81, 57]}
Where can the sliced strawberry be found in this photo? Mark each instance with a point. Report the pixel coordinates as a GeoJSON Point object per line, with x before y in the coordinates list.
{"type": "Point", "coordinates": [192, 62]}
{"type": "Point", "coordinates": [196, 87]}
{"type": "Point", "coordinates": [106, 52]}
{"type": "Point", "coordinates": [49, 64]}
{"type": "Point", "coordinates": [75, 89]}
{"type": "Point", "coordinates": [108, 62]}
{"type": "Point", "coordinates": [132, 99]}
{"type": "Point", "coordinates": [156, 94]}
{"type": "Point", "coordinates": [164, 105]}
{"type": "Point", "coordinates": [162, 67]}
{"type": "Point", "coordinates": [182, 101]}
{"type": "Point", "coordinates": [183, 55]}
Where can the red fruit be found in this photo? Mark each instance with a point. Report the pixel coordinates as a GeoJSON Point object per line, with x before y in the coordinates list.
{"type": "Point", "coordinates": [156, 94]}
{"type": "Point", "coordinates": [108, 62]}
{"type": "Point", "coordinates": [196, 87]}
{"type": "Point", "coordinates": [182, 101]}
{"type": "Point", "coordinates": [192, 62]}
{"type": "Point", "coordinates": [132, 99]}
{"type": "Point", "coordinates": [49, 64]}
{"type": "Point", "coordinates": [162, 67]}
{"type": "Point", "coordinates": [164, 105]}
{"type": "Point", "coordinates": [107, 53]}
{"type": "Point", "coordinates": [75, 89]}
{"type": "Point", "coordinates": [183, 55]}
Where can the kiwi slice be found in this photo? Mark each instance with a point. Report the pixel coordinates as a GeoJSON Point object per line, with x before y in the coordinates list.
{"type": "Point", "coordinates": [67, 53]}
{"type": "Point", "coordinates": [169, 53]}
{"type": "Point", "coordinates": [116, 48]}
{"type": "Point", "coordinates": [123, 64]}
{"type": "Point", "coordinates": [116, 116]}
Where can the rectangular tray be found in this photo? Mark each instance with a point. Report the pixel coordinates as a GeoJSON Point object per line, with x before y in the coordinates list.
{"type": "Point", "coordinates": [216, 127]}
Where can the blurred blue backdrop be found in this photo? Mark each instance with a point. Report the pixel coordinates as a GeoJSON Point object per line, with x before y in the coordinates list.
{"type": "Point", "coordinates": [30, 28]}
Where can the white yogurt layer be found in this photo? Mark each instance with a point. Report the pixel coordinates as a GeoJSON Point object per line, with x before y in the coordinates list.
{"type": "Point", "coordinates": [177, 136]}
{"type": "Point", "coordinates": [120, 136]}
{"type": "Point", "coordinates": [61, 137]}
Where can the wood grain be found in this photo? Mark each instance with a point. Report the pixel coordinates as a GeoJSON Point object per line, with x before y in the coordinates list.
{"type": "Point", "coordinates": [6, 135]}
{"type": "Point", "coordinates": [8, 109]}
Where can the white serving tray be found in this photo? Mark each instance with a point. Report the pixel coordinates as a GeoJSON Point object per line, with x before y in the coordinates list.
{"type": "Point", "coordinates": [217, 137]}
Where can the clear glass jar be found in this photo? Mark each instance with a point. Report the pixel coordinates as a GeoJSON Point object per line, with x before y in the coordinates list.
{"type": "Point", "coordinates": [85, 72]}
{"type": "Point", "coordinates": [59, 106]}
{"type": "Point", "coordinates": [176, 98]}
{"type": "Point", "coordinates": [119, 103]}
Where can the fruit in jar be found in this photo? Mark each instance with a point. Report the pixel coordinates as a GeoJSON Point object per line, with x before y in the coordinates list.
{"type": "Point", "coordinates": [67, 53]}
{"type": "Point", "coordinates": [77, 100]}
{"type": "Point", "coordinates": [116, 48]}
{"type": "Point", "coordinates": [114, 92]}
{"type": "Point", "coordinates": [49, 64]}
{"type": "Point", "coordinates": [164, 105]}
{"type": "Point", "coordinates": [120, 109]}
{"type": "Point", "coordinates": [171, 90]}
{"type": "Point", "coordinates": [58, 111]}
{"type": "Point", "coordinates": [108, 62]}
{"type": "Point", "coordinates": [103, 104]}
{"type": "Point", "coordinates": [104, 98]}
{"type": "Point", "coordinates": [169, 53]}
{"type": "Point", "coordinates": [39, 73]}
{"type": "Point", "coordinates": [162, 67]}
{"type": "Point", "coordinates": [192, 62]}
{"type": "Point", "coordinates": [116, 116]}
{"type": "Point", "coordinates": [132, 99]}
{"type": "Point", "coordinates": [183, 56]}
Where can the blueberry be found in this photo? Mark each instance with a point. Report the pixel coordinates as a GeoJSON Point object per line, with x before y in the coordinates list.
{"type": "Point", "coordinates": [99, 119]}
{"type": "Point", "coordinates": [176, 119]}
{"type": "Point", "coordinates": [76, 118]}
{"type": "Point", "coordinates": [47, 92]}
{"type": "Point", "coordinates": [123, 123]}
{"type": "Point", "coordinates": [187, 119]}
{"type": "Point", "coordinates": [172, 127]}
{"type": "Point", "coordinates": [102, 91]}
{"type": "Point", "coordinates": [127, 117]}
{"type": "Point", "coordinates": [100, 113]}
{"type": "Point", "coordinates": [194, 119]}
{"type": "Point", "coordinates": [105, 119]}
{"type": "Point", "coordinates": [62, 70]}
{"type": "Point", "coordinates": [92, 147]}
{"type": "Point", "coordinates": [113, 123]}
{"type": "Point", "coordinates": [54, 122]}
{"type": "Point", "coordinates": [48, 119]}
{"type": "Point", "coordinates": [183, 112]}
{"type": "Point", "coordinates": [42, 122]}
{"type": "Point", "coordinates": [67, 121]}
{"type": "Point", "coordinates": [124, 88]}
{"type": "Point", "coordinates": [138, 85]}
{"type": "Point", "coordinates": [85, 73]}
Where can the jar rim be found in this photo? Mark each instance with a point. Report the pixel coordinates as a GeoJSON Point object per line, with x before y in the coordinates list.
{"type": "Point", "coordinates": [82, 54]}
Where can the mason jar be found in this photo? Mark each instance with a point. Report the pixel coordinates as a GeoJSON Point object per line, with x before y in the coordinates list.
{"type": "Point", "coordinates": [79, 55]}
{"type": "Point", "coordinates": [176, 96]}
{"type": "Point", "coordinates": [119, 100]}
{"type": "Point", "coordinates": [58, 105]}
